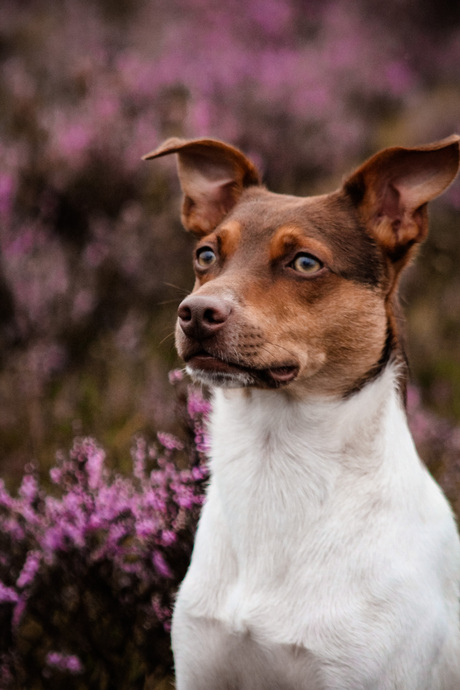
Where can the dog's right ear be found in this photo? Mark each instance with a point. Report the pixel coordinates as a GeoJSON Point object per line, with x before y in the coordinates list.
{"type": "Point", "coordinates": [212, 176]}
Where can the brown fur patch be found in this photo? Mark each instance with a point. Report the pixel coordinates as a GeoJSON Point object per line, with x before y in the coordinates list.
{"type": "Point", "coordinates": [228, 238]}
{"type": "Point", "coordinates": [290, 239]}
{"type": "Point", "coordinates": [333, 325]}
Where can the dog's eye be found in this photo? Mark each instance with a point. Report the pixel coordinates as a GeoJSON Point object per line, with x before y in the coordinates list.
{"type": "Point", "coordinates": [306, 263]}
{"type": "Point", "coordinates": [205, 257]}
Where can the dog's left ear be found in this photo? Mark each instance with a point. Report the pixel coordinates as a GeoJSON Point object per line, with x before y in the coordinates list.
{"type": "Point", "coordinates": [212, 176]}
{"type": "Point", "coordinates": [392, 188]}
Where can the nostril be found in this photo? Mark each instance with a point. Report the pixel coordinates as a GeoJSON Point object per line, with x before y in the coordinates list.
{"type": "Point", "coordinates": [214, 315]}
{"type": "Point", "coordinates": [184, 312]}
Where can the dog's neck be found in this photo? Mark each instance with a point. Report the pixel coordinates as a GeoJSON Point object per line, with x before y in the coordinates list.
{"type": "Point", "coordinates": [312, 441]}
{"type": "Point", "coordinates": [283, 468]}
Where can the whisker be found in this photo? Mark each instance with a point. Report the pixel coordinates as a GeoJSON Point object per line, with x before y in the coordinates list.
{"type": "Point", "coordinates": [177, 287]}
{"type": "Point", "coordinates": [168, 301]}
{"type": "Point", "coordinates": [170, 335]}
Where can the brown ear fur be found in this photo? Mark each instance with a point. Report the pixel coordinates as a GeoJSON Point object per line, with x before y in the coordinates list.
{"type": "Point", "coordinates": [392, 189]}
{"type": "Point", "coordinates": [212, 176]}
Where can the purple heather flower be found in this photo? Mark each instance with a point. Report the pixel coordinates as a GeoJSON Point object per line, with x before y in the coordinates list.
{"type": "Point", "coordinates": [29, 488]}
{"type": "Point", "coordinates": [145, 527]}
{"type": "Point", "coordinates": [197, 405]}
{"type": "Point", "coordinates": [168, 537]}
{"type": "Point", "coordinates": [11, 526]}
{"type": "Point", "coordinates": [56, 475]}
{"type": "Point", "coordinates": [199, 473]}
{"type": "Point", "coordinates": [51, 542]}
{"type": "Point", "coordinates": [29, 569]}
{"type": "Point", "coordinates": [138, 454]}
{"type": "Point", "coordinates": [160, 564]}
{"type": "Point", "coordinates": [169, 441]}
{"type": "Point", "coordinates": [94, 467]}
{"type": "Point", "coordinates": [8, 594]}
{"type": "Point", "coordinates": [64, 662]}
{"type": "Point", "coordinates": [5, 499]}
{"type": "Point", "coordinates": [176, 376]}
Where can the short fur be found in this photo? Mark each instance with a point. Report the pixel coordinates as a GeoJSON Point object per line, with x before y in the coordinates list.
{"type": "Point", "coordinates": [326, 557]}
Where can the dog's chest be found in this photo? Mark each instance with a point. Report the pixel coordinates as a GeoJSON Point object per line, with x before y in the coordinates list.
{"type": "Point", "coordinates": [296, 599]}
{"type": "Point", "coordinates": [309, 559]}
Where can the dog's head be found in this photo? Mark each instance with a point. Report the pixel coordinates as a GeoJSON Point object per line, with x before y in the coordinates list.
{"type": "Point", "coordinates": [299, 292]}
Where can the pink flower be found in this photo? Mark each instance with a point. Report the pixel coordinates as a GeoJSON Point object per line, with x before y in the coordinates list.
{"type": "Point", "coordinates": [176, 375]}
{"type": "Point", "coordinates": [168, 537]}
{"type": "Point", "coordinates": [169, 441]}
{"type": "Point", "coordinates": [56, 475]}
{"type": "Point", "coordinates": [94, 467]}
{"type": "Point", "coordinates": [29, 569]}
{"type": "Point", "coordinates": [29, 488]}
{"type": "Point", "coordinates": [161, 565]}
{"type": "Point", "coordinates": [64, 662]}
{"type": "Point", "coordinates": [8, 594]}
{"type": "Point", "coordinates": [197, 405]}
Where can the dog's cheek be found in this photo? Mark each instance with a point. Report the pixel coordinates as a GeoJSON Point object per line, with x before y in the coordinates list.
{"type": "Point", "coordinates": [356, 337]}
{"type": "Point", "coordinates": [295, 337]}
{"type": "Point", "coordinates": [342, 340]}
{"type": "Point", "coordinates": [312, 361]}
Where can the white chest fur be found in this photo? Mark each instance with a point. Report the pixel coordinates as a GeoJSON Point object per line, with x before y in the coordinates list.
{"type": "Point", "coordinates": [326, 557]}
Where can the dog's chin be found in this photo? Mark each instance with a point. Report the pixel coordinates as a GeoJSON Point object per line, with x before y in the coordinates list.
{"type": "Point", "coordinates": [213, 371]}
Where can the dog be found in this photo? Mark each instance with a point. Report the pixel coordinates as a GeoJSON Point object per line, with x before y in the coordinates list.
{"type": "Point", "coordinates": [326, 557]}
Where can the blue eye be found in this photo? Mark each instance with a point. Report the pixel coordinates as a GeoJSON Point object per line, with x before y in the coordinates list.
{"type": "Point", "coordinates": [205, 257]}
{"type": "Point", "coordinates": [306, 263]}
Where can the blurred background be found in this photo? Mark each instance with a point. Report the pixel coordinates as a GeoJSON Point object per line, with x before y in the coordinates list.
{"type": "Point", "coordinates": [93, 260]}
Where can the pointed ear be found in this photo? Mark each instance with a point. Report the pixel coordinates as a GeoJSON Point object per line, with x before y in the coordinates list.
{"type": "Point", "coordinates": [212, 176]}
{"type": "Point", "coordinates": [393, 187]}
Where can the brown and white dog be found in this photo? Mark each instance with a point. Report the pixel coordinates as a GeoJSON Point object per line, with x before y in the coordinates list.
{"type": "Point", "coordinates": [326, 557]}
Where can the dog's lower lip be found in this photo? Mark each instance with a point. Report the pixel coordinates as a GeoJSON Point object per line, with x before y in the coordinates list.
{"type": "Point", "coordinates": [208, 362]}
{"type": "Point", "coordinates": [283, 374]}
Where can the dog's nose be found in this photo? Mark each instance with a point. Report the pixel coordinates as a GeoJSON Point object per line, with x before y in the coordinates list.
{"type": "Point", "coordinates": [201, 317]}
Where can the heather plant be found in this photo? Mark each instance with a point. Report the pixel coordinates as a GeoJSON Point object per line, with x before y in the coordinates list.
{"type": "Point", "coordinates": [88, 570]}
{"type": "Point", "coordinates": [89, 241]}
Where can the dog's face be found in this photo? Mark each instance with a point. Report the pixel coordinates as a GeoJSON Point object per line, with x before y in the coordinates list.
{"type": "Point", "coordinates": [299, 292]}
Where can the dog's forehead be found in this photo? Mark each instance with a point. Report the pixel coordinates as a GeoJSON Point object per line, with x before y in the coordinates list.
{"type": "Point", "coordinates": [330, 219]}
{"type": "Point", "coordinates": [262, 212]}
{"type": "Point", "coordinates": [329, 216]}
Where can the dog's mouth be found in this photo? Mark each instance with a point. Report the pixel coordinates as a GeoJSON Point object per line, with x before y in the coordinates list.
{"type": "Point", "coordinates": [212, 369]}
